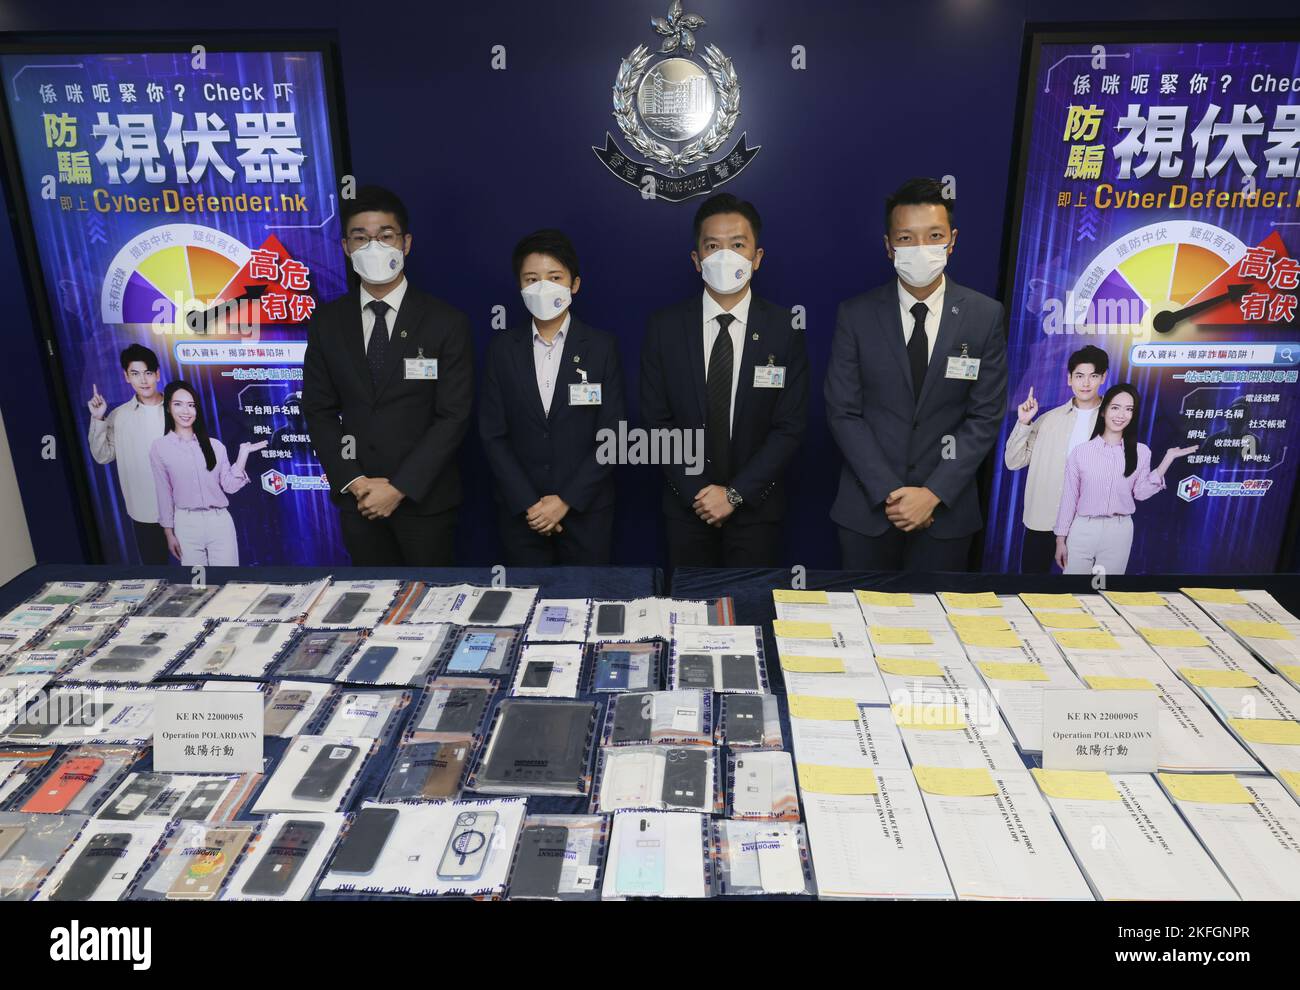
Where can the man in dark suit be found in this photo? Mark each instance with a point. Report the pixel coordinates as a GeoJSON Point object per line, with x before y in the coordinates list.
{"type": "Point", "coordinates": [548, 389]}
{"type": "Point", "coordinates": [915, 393]}
{"type": "Point", "coordinates": [730, 369]}
{"type": "Point", "coordinates": [388, 381]}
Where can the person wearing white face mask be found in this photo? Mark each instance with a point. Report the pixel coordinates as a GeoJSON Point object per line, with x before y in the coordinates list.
{"type": "Point", "coordinates": [915, 393]}
{"type": "Point", "coordinates": [728, 369]}
{"type": "Point", "coordinates": [548, 389]}
{"type": "Point", "coordinates": [388, 381]}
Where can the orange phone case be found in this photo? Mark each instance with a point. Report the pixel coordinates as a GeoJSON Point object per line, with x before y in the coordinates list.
{"type": "Point", "coordinates": [57, 793]}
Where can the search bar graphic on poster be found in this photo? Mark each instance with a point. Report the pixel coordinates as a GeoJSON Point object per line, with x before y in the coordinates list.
{"type": "Point", "coordinates": [1219, 354]}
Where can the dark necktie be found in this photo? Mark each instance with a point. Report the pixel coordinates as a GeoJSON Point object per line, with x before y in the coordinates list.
{"type": "Point", "coordinates": [916, 350]}
{"type": "Point", "coordinates": [717, 433]}
{"type": "Point", "coordinates": [377, 349]}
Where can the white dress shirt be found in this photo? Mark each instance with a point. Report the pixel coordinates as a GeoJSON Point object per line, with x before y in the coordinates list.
{"type": "Point", "coordinates": [125, 435]}
{"type": "Point", "coordinates": [737, 332]}
{"type": "Point", "coordinates": [546, 361]}
{"type": "Point", "coordinates": [934, 303]}
{"type": "Point", "coordinates": [394, 301]}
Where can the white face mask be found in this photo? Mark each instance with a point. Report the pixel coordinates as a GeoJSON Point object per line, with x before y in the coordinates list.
{"type": "Point", "coordinates": [378, 263]}
{"type": "Point", "coordinates": [546, 300]}
{"type": "Point", "coordinates": [919, 266]}
{"type": "Point", "coordinates": [726, 271]}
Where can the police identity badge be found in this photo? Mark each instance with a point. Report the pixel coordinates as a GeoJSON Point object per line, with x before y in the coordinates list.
{"type": "Point", "coordinates": [676, 113]}
{"type": "Point", "coordinates": [421, 368]}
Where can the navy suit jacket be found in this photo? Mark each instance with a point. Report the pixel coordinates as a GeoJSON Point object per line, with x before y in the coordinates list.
{"type": "Point", "coordinates": [889, 438]}
{"type": "Point", "coordinates": [767, 423]}
{"type": "Point", "coordinates": [532, 453]}
{"type": "Point", "coordinates": [405, 430]}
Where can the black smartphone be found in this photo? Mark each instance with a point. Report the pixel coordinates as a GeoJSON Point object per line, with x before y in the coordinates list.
{"type": "Point", "coordinates": [282, 861]}
{"type": "Point", "coordinates": [537, 674]}
{"type": "Point", "coordinates": [610, 619]}
{"type": "Point", "coordinates": [539, 862]}
{"type": "Point", "coordinates": [633, 716]}
{"type": "Point", "coordinates": [462, 710]}
{"type": "Point", "coordinates": [347, 607]}
{"type": "Point", "coordinates": [271, 603]}
{"type": "Point", "coordinates": [360, 848]}
{"type": "Point", "coordinates": [695, 670]}
{"type": "Point", "coordinates": [326, 772]}
{"type": "Point", "coordinates": [739, 672]}
{"type": "Point", "coordinates": [373, 663]}
{"type": "Point", "coordinates": [743, 723]}
{"type": "Point", "coordinates": [92, 866]}
{"type": "Point", "coordinates": [411, 771]}
{"type": "Point", "coordinates": [539, 742]}
{"type": "Point", "coordinates": [122, 659]}
{"type": "Point", "coordinates": [686, 778]}
{"type": "Point", "coordinates": [198, 804]}
{"type": "Point", "coordinates": [490, 606]}
{"type": "Point", "coordinates": [135, 797]}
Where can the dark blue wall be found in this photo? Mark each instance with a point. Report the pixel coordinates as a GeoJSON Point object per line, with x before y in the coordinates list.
{"type": "Point", "coordinates": [481, 156]}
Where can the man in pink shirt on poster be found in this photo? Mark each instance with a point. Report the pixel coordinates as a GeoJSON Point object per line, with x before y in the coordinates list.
{"type": "Point", "coordinates": [1105, 478]}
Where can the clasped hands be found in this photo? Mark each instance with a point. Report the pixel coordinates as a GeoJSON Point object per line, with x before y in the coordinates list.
{"type": "Point", "coordinates": [376, 497]}
{"type": "Point", "coordinates": [544, 515]}
{"type": "Point", "coordinates": [712, 505]}
{"type": "Point", "coordinates": [911, 508]}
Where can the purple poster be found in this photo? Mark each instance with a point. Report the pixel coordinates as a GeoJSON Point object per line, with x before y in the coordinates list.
{"type": "Point", "coordinates": [1158, 221]}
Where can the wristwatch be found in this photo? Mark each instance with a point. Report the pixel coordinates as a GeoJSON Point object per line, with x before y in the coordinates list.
{"type": "Point", "coordinates": [734, 497]}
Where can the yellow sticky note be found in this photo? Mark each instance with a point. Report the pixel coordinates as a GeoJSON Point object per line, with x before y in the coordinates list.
{"type": "Point", "coordinates": [811, 665]}
{"type": "Point", "coordinates": [1067, 620]}
{"type": "Point", "coordinates": [823, 709]}
{"type": "Point", "coordinates": [1215, 596]}
{"type": "Point", "coordinates": [1100, 683]}
{"type": "Point", "coordinates": [907, 667]}
{"type": "Point", "coordinates": [983, 599]}
{"type": "Point", "coordinates": [955, 782]}
{"type": "Point", "coordinates": [1259, 630]}
{"type": "Point", "coordinates": [991, 622]}
{"type": "Point", "coordinates": [1173, 637]}
{"type": "Point", "coordinates": [1267, 731]}
{"type": "Point", "coordinates": [1291, 778]}
{"type": "Point", "coordinates": [788, 597]}
{"type": "Point", "coordinates": [1000, 638]}
{"type": "Point", "coordinates": [1049, 601]}
{"type": "Point", "coordinates": [1290, 671]}
{"type": "Point", "coordinates": [1218, 678]}
{"type": "Point", "coordinates": [793, 629]}
{"type": "Point", "coordinates": [927, 716]}
{"type": "Point", "coordinates": [886, 599]}
{"type": "Point", "coordinates": [1136, 598]}
{"type": "Point", "coordinates": [1206, 788]}
{"type": "Point", "coordinates": [1013, 671]}
{"type": "Point", "coordinates": [1076, 785]}
{"type": "Point", "coordinates": [837, 780]}
{"type": "Point", "coordinates": [1086, 639]}
{"type": "Point", "coordinates": [900, 636]}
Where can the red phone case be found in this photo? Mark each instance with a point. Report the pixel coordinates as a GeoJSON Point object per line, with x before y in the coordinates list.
{"type": "Point", "coordinates": [57, 793]}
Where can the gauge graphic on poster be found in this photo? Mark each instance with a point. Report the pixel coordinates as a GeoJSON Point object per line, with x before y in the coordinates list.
{"type": "Point", "coordinates": [1173, 281]}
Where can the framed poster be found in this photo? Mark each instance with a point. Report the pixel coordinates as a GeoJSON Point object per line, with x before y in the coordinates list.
{"type": "Point", "coordinates": [177, 209]}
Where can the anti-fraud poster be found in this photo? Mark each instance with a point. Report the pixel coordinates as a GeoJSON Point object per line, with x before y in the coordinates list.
{"type": "Point", "coordinates": [186, 202]}
{"type": "Point", "coordinates": [1160, 221]}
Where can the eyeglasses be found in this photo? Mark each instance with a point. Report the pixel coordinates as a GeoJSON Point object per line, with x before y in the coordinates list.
{"type": "Point", "coordinates": [387, 237]}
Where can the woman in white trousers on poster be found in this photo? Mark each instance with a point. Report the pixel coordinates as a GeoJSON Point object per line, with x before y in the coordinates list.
{"type": "Point", "coordinates": [1105, 478]}
{"type": "Point", "coordinates": [193, 476]}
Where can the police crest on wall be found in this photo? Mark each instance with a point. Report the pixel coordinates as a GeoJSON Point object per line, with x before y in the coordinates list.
{"type": "Point", "coordinates": [676, 113]}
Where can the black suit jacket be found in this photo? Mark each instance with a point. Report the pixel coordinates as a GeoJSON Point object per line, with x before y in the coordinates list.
{"type": "Point", "coordinates": [407, 431]}
{"type": "Point", "coordinates": [888, 437]}
{"type": "Point", "coordinates": [533, 453]}
{"type": "Point", "coordinates": [767, 423]}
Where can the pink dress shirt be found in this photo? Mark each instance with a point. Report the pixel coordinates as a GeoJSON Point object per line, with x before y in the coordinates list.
{"type": "Point", "coordinates": [1095, 484]}
{"type": "Point", "coordinates": [183, 480]}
